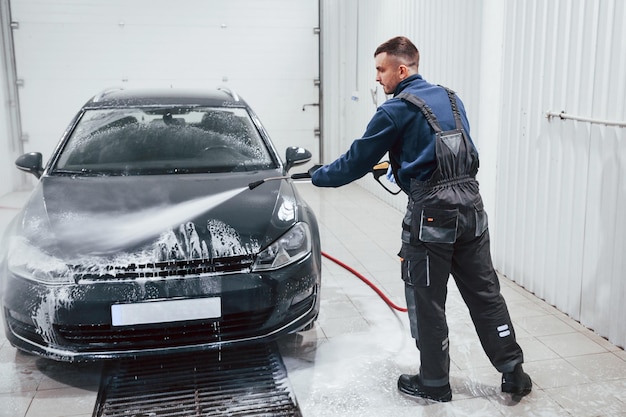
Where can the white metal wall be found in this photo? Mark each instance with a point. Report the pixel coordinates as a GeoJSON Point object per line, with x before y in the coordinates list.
{"type": "Point", "coordinates": [5, 133]}
{"type": "Point", "coordinates": [9, 124]}
{"type": "Point", "coordinates": [561, 187]}
{"type": "Point", "coordinates": [555, 190]}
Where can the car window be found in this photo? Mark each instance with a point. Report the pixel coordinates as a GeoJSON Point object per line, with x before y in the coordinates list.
{"type": "Point", "coordinates": [136, 141]}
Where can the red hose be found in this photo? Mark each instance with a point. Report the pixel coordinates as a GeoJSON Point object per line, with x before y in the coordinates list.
{"type": "Point", "coordinates": [365, 280]}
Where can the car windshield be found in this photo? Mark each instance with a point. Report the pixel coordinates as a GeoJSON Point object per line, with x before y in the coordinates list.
{"type": "Point", "coordinates": [137, 141]}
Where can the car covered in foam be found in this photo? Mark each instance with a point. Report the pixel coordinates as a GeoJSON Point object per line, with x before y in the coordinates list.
{"type": "Point", "coordinates": [143, 235]}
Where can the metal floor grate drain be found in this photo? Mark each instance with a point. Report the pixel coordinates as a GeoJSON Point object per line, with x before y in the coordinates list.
{"type": "Point", "coordinates": [248, 381]}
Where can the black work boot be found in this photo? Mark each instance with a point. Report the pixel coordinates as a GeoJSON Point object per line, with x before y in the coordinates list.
{"type": "Point", "coordinates": [412, 385]}
{"type": "Point", "coordinates": [517, 382]}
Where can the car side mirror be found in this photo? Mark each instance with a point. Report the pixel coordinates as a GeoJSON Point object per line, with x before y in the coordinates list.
{"type": "Point", "coordinates": [31, 163]}
{"type": "Point", "coordinates": [296, 156]}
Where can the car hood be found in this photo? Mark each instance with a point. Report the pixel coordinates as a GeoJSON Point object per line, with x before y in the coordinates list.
{"type": "Point", "coordinates": [158, 218]}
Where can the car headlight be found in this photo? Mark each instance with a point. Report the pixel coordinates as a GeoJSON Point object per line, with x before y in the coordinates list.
{"type": "Point", "coordinates": [29, 262]}
{"type": "Point", "coordinates": [289, 248]}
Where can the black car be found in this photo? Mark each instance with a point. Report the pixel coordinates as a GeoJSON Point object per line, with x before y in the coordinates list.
{"type": "Point", "coordinates": [163, 222]}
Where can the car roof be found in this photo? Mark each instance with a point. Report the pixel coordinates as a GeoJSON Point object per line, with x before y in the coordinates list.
{"type": "Point", "coordinates": [120, 97]}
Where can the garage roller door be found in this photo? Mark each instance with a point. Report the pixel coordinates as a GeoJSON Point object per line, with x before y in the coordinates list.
{"type": "Point", "coordinates": [267, 51]}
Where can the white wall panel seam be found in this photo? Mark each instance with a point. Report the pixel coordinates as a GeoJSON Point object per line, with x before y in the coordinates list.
{"type": "Point", "coordinates": [590, 244]}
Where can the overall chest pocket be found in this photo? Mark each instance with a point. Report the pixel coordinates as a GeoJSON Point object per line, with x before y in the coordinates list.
{"type": "Point", "coordinates": [437, 225]}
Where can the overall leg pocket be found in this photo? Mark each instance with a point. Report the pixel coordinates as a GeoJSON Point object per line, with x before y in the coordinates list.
{"type": "Point", "coordinates": [437, 225]}
{"type": "Point", "coordinates": [481, 218]}
{"type": "Point", "coordinates": [415, 266]}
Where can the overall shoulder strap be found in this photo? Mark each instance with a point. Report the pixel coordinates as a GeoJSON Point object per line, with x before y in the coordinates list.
{"type": "Point", "coordinates": [455, 108]}
{"type": "Point", "coordinates": [421, 104]}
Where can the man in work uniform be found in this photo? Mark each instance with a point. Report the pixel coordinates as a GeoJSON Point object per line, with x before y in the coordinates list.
{"type": "Point", "coordinates": [425, 130]}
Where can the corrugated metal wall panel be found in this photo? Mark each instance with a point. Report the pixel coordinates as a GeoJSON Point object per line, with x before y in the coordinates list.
{"type": "Point", "coordinates": [557, 227]}
{"type": "Point", "coordinates": [560, 189]}
{"type": "Point", "coordinates": [616, 110]}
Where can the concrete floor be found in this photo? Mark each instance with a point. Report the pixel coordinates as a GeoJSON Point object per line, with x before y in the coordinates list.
{"type": "Point", "coordinates": [349, 363]}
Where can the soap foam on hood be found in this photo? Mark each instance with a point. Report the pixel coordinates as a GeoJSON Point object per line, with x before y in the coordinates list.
{"type": "Point", "coordinates": [101, 234]}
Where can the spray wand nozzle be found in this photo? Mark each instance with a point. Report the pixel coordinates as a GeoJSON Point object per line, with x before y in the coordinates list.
{"type": "Point", "coordinates": [298, 176]}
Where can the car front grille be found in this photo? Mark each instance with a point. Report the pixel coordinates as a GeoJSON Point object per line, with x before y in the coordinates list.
{"type": "Point", "coordinates": [103, 336]}
{"type": "Point", "coordinates": [174, 268]}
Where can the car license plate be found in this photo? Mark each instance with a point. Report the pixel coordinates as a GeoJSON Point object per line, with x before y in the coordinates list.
{"type": "Point", "coordinates": [165, 311]}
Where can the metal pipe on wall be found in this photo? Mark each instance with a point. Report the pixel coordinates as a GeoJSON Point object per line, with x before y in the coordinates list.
{"type": "Point", "coordinates": [14, 136]}
{"type": "Point", "coordinates": [562, 115]}
{"type": "Point", "coordinates": [320, 72]}
{"type": "Point", "coordinates": [8, 59]}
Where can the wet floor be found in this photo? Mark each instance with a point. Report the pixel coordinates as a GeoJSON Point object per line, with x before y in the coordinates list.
{"type": "Point", "coordinates": [349, 363]}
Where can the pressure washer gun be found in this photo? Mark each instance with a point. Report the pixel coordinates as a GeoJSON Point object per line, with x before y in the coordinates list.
{"type": "Point", "coordinates": [379, 170]}
{"type": "Point", "coordinates": [383, 169]}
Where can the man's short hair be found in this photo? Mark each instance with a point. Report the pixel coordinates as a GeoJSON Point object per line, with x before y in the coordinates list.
{"type": "Point", "coordinates": [400, 47]}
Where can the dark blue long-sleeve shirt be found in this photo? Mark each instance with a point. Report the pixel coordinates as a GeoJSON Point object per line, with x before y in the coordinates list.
{"type": "Point", "coordinates": [399, 128]}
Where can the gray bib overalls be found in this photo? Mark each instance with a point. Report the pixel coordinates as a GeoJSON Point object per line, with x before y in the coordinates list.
{"type": "Point", "coordinates": [445, 233]}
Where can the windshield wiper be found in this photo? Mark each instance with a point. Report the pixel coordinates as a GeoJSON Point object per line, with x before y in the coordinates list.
{"type": "Point", "coordinates": [68, 171]}
{"type": "Point", "coordinates": [83, 171]}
